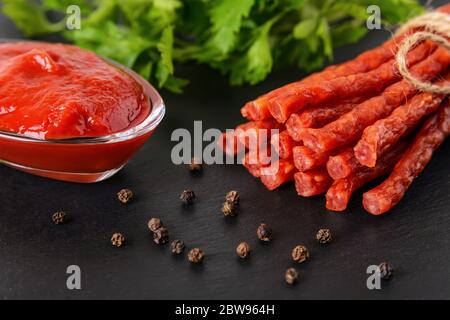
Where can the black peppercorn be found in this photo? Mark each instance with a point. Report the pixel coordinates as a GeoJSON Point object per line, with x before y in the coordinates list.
{"type": "Point", "coordinates": [196, 256]}
{"type": "Point", "coordinates": [291, 276]}
{"type": "Point", "coordinates": [243, 250]}
{"type": "Point", "coordinates": [154, 224]}
{"type": "Point", "coordinates": [385, 270]}
{"type": "Point", "coordinates": [264, 233]}
{"type": "Point", "coordinates": [177, 246]}
{"type": "Point", "coordinates": [300, 254]}
{"type": "Point", "coordinates": [187, 196]}
{"type": "Point", "coordinates": [59, 217]}
{"type": "Point", "coordinates": [161, 236]}
{"type": "Point", "coordinates": [233, 196]}
{"type": "Point", "coordinates": [117, 239]}
{"type": "Point", "coordinates": [195, 165]}
{"type": "Point", "coordinates": [323, 236]}
{"type": "Point", "coordinates": [125, 195]}
{"type": "Point", "coordinates": [229, 208]}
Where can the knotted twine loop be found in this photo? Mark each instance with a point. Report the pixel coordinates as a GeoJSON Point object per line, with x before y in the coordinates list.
{"type": "Point", "coordinates": [436, 26]}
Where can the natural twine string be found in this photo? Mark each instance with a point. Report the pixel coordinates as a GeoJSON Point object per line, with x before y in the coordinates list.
{"type": "Point", "coordinates": [436, 27]}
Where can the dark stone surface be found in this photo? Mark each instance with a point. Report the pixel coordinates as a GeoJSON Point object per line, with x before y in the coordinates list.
{"type": "Point", "coordinates": [34, 253]}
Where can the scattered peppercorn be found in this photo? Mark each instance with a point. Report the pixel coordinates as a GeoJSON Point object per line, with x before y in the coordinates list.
{"type": "Point", "coordinates": [154, 224]}
{"type": "Point", "coordinates": [243, 250]}
{"type": "Point", "coordinates": [59, 217]}
{"type": "Point", "coordinates": [385, 270]}
{"type": "Point", "coordinates": [291, 276]}
{"type": "Point", "coordinates": [195, 165]}
{"type": "Point", "coordinates": [323, 236]}
{"type": "Point", "coordinates": [300, 254]}
{"type": "Point", "coordinates": [196, 255]}
{"type": "Point", "coordinates": [264, 233]}
{"type": "Point", "coordinates": [125, 195]}
{"type": "Point", "coordinates": [233, 196]}
{"type": "Point", "coordinates": [161, 236]}
{"type": "Point", "coordinates": [177, 246]}
{"type": "Point", "coordinates": [229, 208]}
{"type": "Point", "coordinates": [187, 196]}
{"type": "Point", "coordinates": [117, 239]}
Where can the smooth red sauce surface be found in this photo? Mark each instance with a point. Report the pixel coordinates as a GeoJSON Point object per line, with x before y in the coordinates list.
{"type": "Point", "coordinates": [55, 91]}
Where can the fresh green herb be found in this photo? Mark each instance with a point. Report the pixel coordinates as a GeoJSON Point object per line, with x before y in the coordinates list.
{"type": "Point", "coordinates": [243, 39]}
{"type": "Point", "coordinates": [243, 250]}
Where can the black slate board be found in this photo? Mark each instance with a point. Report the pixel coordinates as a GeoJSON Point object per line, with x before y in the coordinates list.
{"type": "Point", "coordinates": [34, 254]}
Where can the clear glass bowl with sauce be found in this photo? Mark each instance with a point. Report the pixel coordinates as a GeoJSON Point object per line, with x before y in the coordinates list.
{"type": "Point", "coordinates": [83, 160]}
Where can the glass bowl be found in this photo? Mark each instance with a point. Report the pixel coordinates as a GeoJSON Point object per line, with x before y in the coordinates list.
{"type": "Point", "coordinates": [84, 160]}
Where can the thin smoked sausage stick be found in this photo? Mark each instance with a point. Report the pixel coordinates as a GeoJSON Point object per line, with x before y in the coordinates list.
{"type": "Point", "coordinates": [255, 159]}
{"type": "Point", "coordinates": [316, 117]}
{"type": "Point", "coordinates": [338, 196]}
{"type": "Point", "coordinates": [387, 195]}
{"type": "Point", "coordinates": [386, 132]}
{"type": "Point", "coordinates": [249, 132]}
{"type": "Point", "coordinates": [236, 141]}
{"type": "Point", "coordinates": [258, 109]}
{"type": "Point", "coordinates": [312, 183]}
{"type": "Point", "coordinates": [350, 126]}
{"type": "Point", "coordinates": [305, 159]}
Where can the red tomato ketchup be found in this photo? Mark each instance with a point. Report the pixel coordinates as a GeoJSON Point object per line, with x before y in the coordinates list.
{"type": "Point", "coordinates": [66, 113]}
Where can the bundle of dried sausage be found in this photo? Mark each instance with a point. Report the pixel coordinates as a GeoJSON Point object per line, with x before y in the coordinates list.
{"type": "Point", "coordinates": [339, 129]}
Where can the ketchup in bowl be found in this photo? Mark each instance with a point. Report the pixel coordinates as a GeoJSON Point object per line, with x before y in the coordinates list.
{"type": "Point", "coordinates": [67, 114]}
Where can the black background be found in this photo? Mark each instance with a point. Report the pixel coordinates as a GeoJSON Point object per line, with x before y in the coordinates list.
{"type": "Point", "coordinates": [34, 254]}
